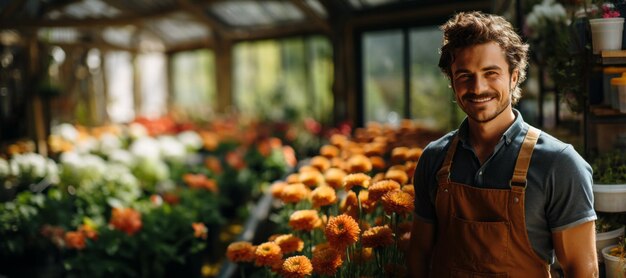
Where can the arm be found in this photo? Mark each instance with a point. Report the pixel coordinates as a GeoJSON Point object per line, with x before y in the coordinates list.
{"type": "Point", "coordinates": [576, 250]}
{"type": "Point", "coordinates": [421, 248]}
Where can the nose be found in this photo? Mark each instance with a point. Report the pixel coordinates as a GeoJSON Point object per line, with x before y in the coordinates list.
{"type": "Point", "coordinates": [479, 85]}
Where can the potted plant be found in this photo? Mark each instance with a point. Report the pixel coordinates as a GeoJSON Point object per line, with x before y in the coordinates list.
{"type": "Point", "coordinates": [609, 175]}
{"type": "Point", "coordinates": [608, 232]}
{"type": "Point", "coordinates": [614, 263]}
{"type": "Point", "coordinates": [606, 27]}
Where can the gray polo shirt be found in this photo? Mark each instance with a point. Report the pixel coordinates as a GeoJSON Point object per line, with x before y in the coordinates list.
{"type": "Point", "coordinates": [559, 191]}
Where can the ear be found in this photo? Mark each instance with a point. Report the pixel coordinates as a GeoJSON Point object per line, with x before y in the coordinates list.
{"type": "Point", "coordinates": [515, 77]}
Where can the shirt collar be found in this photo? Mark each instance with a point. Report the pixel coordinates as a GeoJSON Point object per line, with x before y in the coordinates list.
{"type": "Point", "coordinates": [509, 135]}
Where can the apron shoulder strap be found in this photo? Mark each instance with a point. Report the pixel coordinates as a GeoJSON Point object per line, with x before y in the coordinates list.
{"type": "Point", "coordinates": [443, 175]}
{"type": "Point", "coordinates": [523, 158]}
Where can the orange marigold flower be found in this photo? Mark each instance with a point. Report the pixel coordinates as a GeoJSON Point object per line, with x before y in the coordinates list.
{"type": "Point", "coordinates": [277, 189]}
{"type": "Point", "coordinates": [326, 260]}
{"type": "Point", "coordinates": [311, 178]}
{"type": "Point", "coordinates": [75, 240]}
{"type": "Point", "coordinates": [320, 162]}
{"type": "Point", "coordinates": [171, 198]}
{"type": "Point", "coordinates": [337, 162]}
{"type": "Point", "coordinates": [378, 177]}
{"type": "Point", "coordinates": [378, 236]}
{"type": "Point", "coordinates": [199, 230]}
{"type": "Point", "coordinates": [290, 156]}
{"type": "Point", "coordinates": [367, 205]}
{"type": "Point", "coordinates": [235, 160]}
{"type": "Point", "coordinates": [349, 205]}
{"type": "Point", "coordinates": [304, 220]}
{"type": "Point", "coordinates": [289, 243]}
{"type": "Point", "coordinates": [359, 163]}
{"type": "Point", "coordinates": [378, 162]}
{"type": "Point", "coordinates": [241, 251]}
{"type": "Point", "coordinates": [400, 176]}
{"type": "Point", "coordinates": [338, 140]}
{"type": "Point", "coordinates": [409, 188]}
{"type": "Point", "coordinates": [307, 168]}
{"type": "Point", "coordinates": [213, 164]}
{"type": "Point", "coordinates": [334, 177]}
{"type": "Point", "coordinates": [329, 151]}
{"type": "Point", "coordinates": [200, 181]}
{"type": "Point", "coordinates": [362, 255]}
{"type": "Point", "coordinates": [293, 193]}
{"type": "Point", "coordinates": [297, 267]}
{"type": "Point", "coordinates": [414, 154]}
{"type": "Point", "coordinates": [342, 231]}
{"type": "Point", "coordinates": [267, 254]}
{"type": "Point", "coordinates": [399, 154]}
{"type": "Point", "coordinates": [398, 201]}
{"type": "Point", "coordinates": [374, 149]}
{"type": "Point", "coordinates": [323, 196]}
{"type": "Point", "coordinates": [293, 178]}
{"type": "Point", "coordinates": [89, 231]}
{"type": "Point", "coordinates": [356, 180]}
{"type": "Point", "coordinates": [410, 168]}
{"type": "Point", "coordinates": [378, 189]}
{"type": "Point", "coordinates": [126, 220]}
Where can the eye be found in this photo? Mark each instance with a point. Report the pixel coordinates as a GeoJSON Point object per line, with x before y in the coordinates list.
{"type": "Point", "coordinates": [492, 73]}
{"type": "Point", "coordinates": [463, 77]}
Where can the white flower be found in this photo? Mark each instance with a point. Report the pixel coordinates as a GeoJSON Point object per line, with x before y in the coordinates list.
{"type": "Point", "coordinates": [172, 149]}
{"type": "Point", "coordinates": [545, 15]}
{"type": "Point", "coordinates": [66, 131]}
{"type": "Point", "coordinates": [123, 157]}
{"type": "Point", "coordinates": [146, 147]}
{"type": "Point", "coordinates": [109, 143]}
{"type": "Point", "coordinates": [52, 171]}
{"type": "Point", "coordinates": [136, 130]}
{"type": "Point", "coordinates": [5, 170]}
{"type": "Point", "coordinates": [87, 145]}
{"type": "Point", "coordinates": [191, 140]}
{"type": "Point", "coordinates": [29, 166]}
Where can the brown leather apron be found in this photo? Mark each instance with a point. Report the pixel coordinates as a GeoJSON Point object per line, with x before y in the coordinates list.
{"type": "Point", "coordinates": [482, 232]}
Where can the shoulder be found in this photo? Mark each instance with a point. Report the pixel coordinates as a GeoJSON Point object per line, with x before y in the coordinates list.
{"type": "Point", "coordinates": [554, 154]}
{"type": "Point", "coordinates": [439, 147]}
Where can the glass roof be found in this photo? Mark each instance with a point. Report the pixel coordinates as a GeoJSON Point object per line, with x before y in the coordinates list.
{"type": "Point", "coordinates": [369, 3]}
{"type": "Point", "coordinates": [255, 13]}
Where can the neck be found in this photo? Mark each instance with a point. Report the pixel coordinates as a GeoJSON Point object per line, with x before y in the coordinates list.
{"type": "Point", "coordinates": [485, 135]}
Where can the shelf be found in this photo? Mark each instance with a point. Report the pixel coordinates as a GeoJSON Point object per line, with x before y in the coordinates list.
{"type": "Point", "coordinates": [612, 57]}
{"type": "Point", "coordinates": [604, 114]}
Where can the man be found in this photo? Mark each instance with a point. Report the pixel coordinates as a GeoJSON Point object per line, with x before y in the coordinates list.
{"type": "Point", "coordinates": [497, 197]}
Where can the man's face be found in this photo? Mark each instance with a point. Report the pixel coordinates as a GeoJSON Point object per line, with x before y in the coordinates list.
{"type": "Point", "coordinates": [481, 81]}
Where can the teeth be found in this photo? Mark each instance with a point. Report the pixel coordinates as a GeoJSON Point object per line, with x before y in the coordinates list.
{"type": "Point", "coordinates": [481, 99]}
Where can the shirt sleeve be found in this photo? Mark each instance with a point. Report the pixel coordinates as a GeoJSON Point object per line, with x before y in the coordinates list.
{"type": "Point", "coordinates": [422, 182]}
{"type": "Point", "coordinates": [570, 196]}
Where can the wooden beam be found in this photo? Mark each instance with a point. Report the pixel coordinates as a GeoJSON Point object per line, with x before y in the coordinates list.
{"type": "Point", "coordinates": [275, 32]}
{"type": "Point", "coordinates": [224, 76]}
{"type": "Point", "coordinates": [192, 45]}
{"type": "Point", "coordinates": [317, 19]}
{"type": "Point", "coordinates": [85, 23]}
{"type": "Point", "coordinates": [100, 45]}
{"type": "Point", "coordinates": [198, 12]}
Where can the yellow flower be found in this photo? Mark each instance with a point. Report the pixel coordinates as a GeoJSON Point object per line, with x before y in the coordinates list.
{"type": "Point", "coordinates": [293, 178]}
{"type": "Point", "coordinates": [323, 196]}
{"type": "Point", "coordinates": [399, 154]}
{"type": "Point", "coordinates": [241, 251]}
{"type": "Point", "coordinates": [378, 189]}
{"type": "Point", "coordinates": [277, 189]}
{"type": "Point", "coordinates": [378, 162]}
{"type": "Point", "coordinates": [342, 231]}
{"type": "Point", "coordinates": [356, 180]}
{"type": "Point", "coordinates": [304, 220]}
{"type": "Point", "coordinates": [268, 254]}
{"type": "Point", "coordinates": [337, 162]}
{"type": "Point", "coordinates": [311, 178]}
{"type": "Point", "coordinates": [378, 236]}
{"type": "Point", "coordinates": [297, 267]}
{"type": "Point", "coordinates": [398, 201]}
{"type": "Point", "coordinates": [414, 154]}
{"type": "Point", "coordinates": [409, 188]}
{"type": "Point", "coordinates": [289, 243]}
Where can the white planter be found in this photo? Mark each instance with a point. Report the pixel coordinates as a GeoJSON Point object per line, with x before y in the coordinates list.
{"type": "Point", "coordinates": [613, 266]}
{"type": "Point", "coordinates": [609, 197]}
{"type": "Point", "coordinates": [607, 238]}
{"type": "Point", "coordinates": [606, 33]}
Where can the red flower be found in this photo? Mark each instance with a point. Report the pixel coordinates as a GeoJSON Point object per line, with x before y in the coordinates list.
{"type": "Point", "coordinates": [75, 240]}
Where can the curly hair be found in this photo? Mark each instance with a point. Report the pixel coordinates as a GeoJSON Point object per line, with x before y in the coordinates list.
{"type": "Point", "coordinates": [471, 28]}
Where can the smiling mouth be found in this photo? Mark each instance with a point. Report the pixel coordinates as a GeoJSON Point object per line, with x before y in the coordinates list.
{"type": "Point", "coordinates": [480, 100]}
